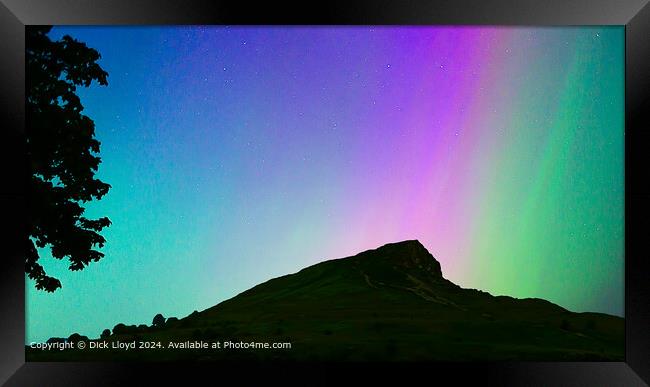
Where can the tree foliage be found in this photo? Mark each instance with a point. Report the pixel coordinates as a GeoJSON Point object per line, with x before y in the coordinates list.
{"type": "Point", "coordinates": [119, 329]}
{"type": "Point", "coordinates": [158, 320]}
{"type": "Point", "coordinates": [62, 150]}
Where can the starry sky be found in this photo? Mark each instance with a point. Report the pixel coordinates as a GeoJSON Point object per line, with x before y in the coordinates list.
{"type": "Point", "coordinates": [239, 154]}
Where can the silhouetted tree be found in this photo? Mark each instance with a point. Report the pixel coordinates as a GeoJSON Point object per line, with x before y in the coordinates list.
{"type": "Point", "coordinates": [62, 151]}
{"type": "Point", "coordinates": [119, 329]}
{"type": "Point", "coordinates": [77, 337]}
{"type": "Point", "coordinates": [105, 334]}
{"type": "Point", "coordinates": [158, 320]}
{"type": "Point", "coordinates": [53, 340]}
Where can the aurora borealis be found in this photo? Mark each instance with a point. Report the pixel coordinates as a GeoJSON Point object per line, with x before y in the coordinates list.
{"type": "Point", "coordinates": [239, 154]}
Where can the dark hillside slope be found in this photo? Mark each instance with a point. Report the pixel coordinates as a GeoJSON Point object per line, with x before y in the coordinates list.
{"type": "Point", "coordinates": [391, 303]}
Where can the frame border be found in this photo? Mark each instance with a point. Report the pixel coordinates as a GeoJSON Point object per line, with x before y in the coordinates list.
{"type": "Point", "coordinates": [633, 14]}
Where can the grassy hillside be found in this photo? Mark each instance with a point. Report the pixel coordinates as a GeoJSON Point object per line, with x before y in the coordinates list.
{"type": "Point", "coordinates": [391, 303]}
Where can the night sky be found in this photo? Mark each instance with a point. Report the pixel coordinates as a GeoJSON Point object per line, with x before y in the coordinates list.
{"type": "Point", "coordinates": [239, 154]}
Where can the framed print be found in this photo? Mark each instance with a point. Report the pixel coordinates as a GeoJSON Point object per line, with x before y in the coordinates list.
{"type": "Point", "coordinates": [277, 190]}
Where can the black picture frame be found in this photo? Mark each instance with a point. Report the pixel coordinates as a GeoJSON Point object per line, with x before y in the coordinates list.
{"type": "Point", "coordinates": [633, 14]}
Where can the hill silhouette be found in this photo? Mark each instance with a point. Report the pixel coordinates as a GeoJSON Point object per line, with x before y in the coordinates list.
{"type": "Point", "coordinates": [391, 303]}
